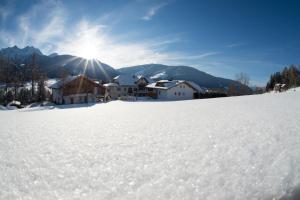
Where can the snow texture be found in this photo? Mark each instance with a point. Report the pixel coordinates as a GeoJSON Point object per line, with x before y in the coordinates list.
{"type": "Point", "coordinates": [226, 148]}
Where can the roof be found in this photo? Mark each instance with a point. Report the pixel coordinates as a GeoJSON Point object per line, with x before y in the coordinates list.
{"type": "Point", "coordinates": [127, 79]}
{"type": "Point", "coordinates": [61, 82]}
{"type": "Point", "coordinates": [110, 85]}
{"type": "Point", "coordinates": [195, 86]}
{"type": "Point", "coordinates": [167, 84]}
{"type": "Point", "coordinates": [67, 80]}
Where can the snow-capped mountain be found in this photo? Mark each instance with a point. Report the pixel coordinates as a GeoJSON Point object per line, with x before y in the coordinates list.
{"type": "Point", "coordinates": [54, 63]}
{"type": "Point", "coordinates": [18, 53]}
{"type": "Point", "coordinates": [159, 72]}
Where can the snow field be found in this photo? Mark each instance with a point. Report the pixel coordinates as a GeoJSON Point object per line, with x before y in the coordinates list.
{"type": "Point", "coordinates": [227, 148]}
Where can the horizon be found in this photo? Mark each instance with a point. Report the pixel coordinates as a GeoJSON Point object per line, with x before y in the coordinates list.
{"type": "Point", "coordinates": [219, 38]}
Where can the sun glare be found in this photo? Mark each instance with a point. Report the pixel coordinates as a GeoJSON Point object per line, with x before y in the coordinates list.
{"type": "Point", "coordinates": [88, 50]}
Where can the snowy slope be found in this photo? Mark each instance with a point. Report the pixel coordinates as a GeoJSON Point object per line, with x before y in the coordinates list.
{"type": "Point", "coordinates": [160, 72]}
{"type": "Point", "coordinates": [227, 148]}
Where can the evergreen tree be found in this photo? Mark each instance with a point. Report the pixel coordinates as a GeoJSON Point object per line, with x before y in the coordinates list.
{"type": "Point", "coordinates": [24, 96]}
{"type": "Point", "coordinates": [290, 76]}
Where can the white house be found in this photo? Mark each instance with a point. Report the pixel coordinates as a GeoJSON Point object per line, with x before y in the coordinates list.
{"type": "Point", "coordinates": [126, 85]}
{"type": "Point", "coordinates": [174, 90]}
{"type": "Point", "coordinates": [112, 90]}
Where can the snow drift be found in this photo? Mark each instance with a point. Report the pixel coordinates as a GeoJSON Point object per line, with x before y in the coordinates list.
{"type": "Point", "coordinates": [227, 148]}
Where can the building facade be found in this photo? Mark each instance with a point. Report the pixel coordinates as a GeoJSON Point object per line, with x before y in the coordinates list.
{"type": "Point", "coordinates": [128, 86]}
{"type": "Point", "coordinates": [173, 90]}
{"type": "Point", "coordinates": [77, 89]}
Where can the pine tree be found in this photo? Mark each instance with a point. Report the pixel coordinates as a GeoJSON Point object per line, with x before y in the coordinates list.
{"type": "Point", "coordinates": [290, 76]}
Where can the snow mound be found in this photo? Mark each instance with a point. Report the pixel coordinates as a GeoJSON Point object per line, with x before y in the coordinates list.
{"type": "Point", "coordinates": [13, 105]}
{"type": "Point", "coordinates": [227, 148]}
{"type": "Point", "coordinates": [33, 105]}
{"type": "Point", "coordinates": [3, 107]}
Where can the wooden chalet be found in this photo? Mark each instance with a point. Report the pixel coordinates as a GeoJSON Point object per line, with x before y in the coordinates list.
{"type": "Point", "coordinates": [77, 89]}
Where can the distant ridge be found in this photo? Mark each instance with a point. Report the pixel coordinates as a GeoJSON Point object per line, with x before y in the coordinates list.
{"type": "Point", "coordinates": [159, 72]}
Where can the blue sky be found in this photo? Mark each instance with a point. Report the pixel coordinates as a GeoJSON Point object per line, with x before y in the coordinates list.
{"type": "Point", "coordinates": [220, 37]}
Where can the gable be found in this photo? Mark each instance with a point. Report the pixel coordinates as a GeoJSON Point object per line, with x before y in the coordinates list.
{"type": "Point", "coordinates": [80, 80]}
{"type": "Point", "coordinates": [142, 81]}
{"type": "Point", "coordinates": [182, 87]}
{"type": "Point", "coordinates": [188, 85]}
{"type": "Point", "coordinates": [82, 84]}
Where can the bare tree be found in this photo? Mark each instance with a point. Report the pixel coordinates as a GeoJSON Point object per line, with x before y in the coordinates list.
{"type": "Point", "coordinates": [41, 83]}
{"type": "Point", "coordinates": [33, 73]}
{"type": "Point", "coordinates": [242, 78]}
{"type": "Point", "coordinates": [5, 71]}
{"type": "Point", "coordinates": [233, 90]}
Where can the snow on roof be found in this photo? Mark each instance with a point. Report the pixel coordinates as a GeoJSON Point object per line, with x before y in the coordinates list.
{"type": "Point", "coordinates": [164, 84]}
{"type": "Point", "coordinates": [60, 83]}
{"type": "Point", "coordinates": [167, 84]}
{"type": "Point", "coordinates": [151, 85]}
{"type": "Point", "coordinates": [195, 86]}
{"type": "Point", "coordinates": [110, 85]}
{"type": "Point", "coordinates": [127, 79]}
{"type": "Point", "coordinates": [68, 79]}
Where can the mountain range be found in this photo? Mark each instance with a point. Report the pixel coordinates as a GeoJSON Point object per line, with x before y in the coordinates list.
{"type": "Point", "coordinates": [159, 72]}
{"type": "Point", "coordinates": [53, 63]}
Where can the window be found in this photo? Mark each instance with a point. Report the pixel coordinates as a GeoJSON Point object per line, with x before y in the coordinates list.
{"type": "Point", "coordinates": [175, 93]}
{"type": "Point", "coordinates": [124, 89]}
{"type": "Point", "coordinates": [158, 92]}
{"type": "Point", "coordinates": [119, 89]}
{"type": "Point", "coordinates": [183, 94]}
{"type": "Point", "coordinates": [178, 93]}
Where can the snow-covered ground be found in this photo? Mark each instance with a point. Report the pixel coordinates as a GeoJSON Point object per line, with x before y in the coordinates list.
{"type": "Point", "coordinates": [228, 148]}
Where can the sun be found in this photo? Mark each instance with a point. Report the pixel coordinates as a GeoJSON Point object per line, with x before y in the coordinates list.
{"type": "Point", "coordinates": [87, 41]}
{"type": "Point", "coordinates": [88, 50]}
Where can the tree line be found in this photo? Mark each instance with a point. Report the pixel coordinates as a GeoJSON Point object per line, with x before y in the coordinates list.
{"type": "Point", "coordinates": [290, 76]}
{"type": "Point", "coordinates": [15, 76]}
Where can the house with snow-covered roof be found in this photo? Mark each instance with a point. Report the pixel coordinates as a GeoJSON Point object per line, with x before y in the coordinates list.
{"type": "Point", "coordinates": [174, 90]}
{"type": "Point", "coordinates": [126, 85]}
{"type": "Point", "coordinates": [76, 89]}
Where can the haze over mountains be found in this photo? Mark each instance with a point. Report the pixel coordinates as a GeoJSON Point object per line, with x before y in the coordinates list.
{"type": "Point", "coordinates": [53, 63]}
